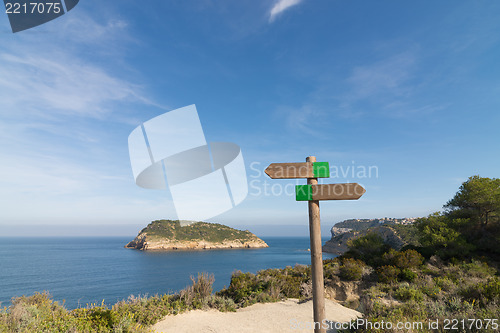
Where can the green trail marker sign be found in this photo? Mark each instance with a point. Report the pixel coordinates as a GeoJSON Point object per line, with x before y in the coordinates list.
{"type": "Point", "coordinates": [313, 193]}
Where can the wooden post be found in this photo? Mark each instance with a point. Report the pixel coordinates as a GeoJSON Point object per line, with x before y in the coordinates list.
{"type": "Point", "coordinates": [313, 193]}
{"type": "Point", "coordinates": [316, 259]}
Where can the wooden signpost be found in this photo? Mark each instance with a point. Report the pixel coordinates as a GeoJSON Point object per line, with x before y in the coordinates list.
{"type": "Point", "coordinates": [313, 193]}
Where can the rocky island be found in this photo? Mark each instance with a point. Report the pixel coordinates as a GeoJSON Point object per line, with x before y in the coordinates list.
{"type": "Point", "coordinates": [172, 235]}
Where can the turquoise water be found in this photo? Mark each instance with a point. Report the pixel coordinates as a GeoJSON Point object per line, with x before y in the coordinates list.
{"type": "Point", "coordinates": [87, 270]}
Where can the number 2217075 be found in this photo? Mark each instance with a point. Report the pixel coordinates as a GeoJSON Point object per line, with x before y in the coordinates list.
{"type": "Point", "coordinates": [33, 8]}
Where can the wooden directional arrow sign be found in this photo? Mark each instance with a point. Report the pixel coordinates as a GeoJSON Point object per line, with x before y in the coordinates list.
{"type": "Point", "coordinates": [350, 191]}
{"type": "Point", "coordinates": [298, 170]}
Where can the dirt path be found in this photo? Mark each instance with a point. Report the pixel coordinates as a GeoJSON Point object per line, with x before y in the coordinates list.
{"type": "Point", "coordinates": [280, 317]}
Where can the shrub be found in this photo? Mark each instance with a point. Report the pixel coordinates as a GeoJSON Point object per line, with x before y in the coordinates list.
{"type": "Point", "coordinates": [220, 303]}
{"type": "Point", "coordinates": [389, 257]}
{"type": "Point", "coordinates": [444, 283]}
{"type": "Point", "coordinates": [408, 259]}
{"type": "Point", "coordinates": [330, 268]}
{"type": "Point", "coordinates": [369, 248]}
{"type": "Point", "coordinates": [491, 289]}
{"type": "Point", "coordinates": [486, 292]}
{"type": "Point", "coordinates": [454, 304]}
{"type": "Point", "coordinates": [478, 269]}
{"type": "Point", "coordinates": [403, 259]}
{"type": "Point", "coordinates": [243, 286]}
{"type": "Point", "coordinates": [407, 275]}
{"type": "Point", "coordinates": [431, 290]}
{"type": "Point", "coordinates": [37, 313]}
{"type": "Point", "coordinates": [407, 293]}
{"type": "Point", "coordinates": [351, 269]}
{"type": "Point", "coordinates": [388, 274]}
{"type": "Point", "coordinates": [267, 285]}
{"type": "Point", "coordinates": [200, 289]}
{"type": "Point", "coordinates": [292, 279]}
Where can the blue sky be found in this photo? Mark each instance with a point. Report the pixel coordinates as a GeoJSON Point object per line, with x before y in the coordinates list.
{"type": "Point", "coordinates": [410, 89]}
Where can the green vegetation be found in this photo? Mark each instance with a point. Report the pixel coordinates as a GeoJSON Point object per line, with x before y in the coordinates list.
{"type": "Point", "coordinates": [39, 313]}
{"type": "Point", "coordinates": [470, 225]}
{"type": "Point", "coordinates": [478, 199]}
{"type": "Point", "coordinates": [368, 248]}
{"type": "Point", "coordinates": [268, 285]}
{"type": "Point", "coordinates": [445, 273]}
{"type": "Point", "coordinates": [387, 274]}
{"type": "Point", "coordinates": [210, 232]}
{"type": "Point", "coordinates": [439, 290]}
{"type": "Point", "coordinates": [408, 233]}
{"type": "Point", "coordinates": [351, 269]}
{"type": "Point", "coordinates": [440, 236]}
{"type": "Point", "coordinates": [458, 279]}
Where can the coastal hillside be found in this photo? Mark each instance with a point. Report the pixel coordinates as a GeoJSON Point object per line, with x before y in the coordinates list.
{"type": "Point", "coordinates": [396, 235]}
{"type": "Point", "coordinates": [171, 235]}
{"type": "Point", "coordinates": [339, 244]}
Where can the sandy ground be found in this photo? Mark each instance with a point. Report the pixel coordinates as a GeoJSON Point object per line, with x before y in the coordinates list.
{"type": "Point", "coordinates": [285, 316]}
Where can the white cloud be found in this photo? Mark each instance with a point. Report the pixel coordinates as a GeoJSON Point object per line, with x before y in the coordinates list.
{"type": "Point", "coordinates": [63, 84]}
{"type": "Point", "coordinates": [46, 75]}
{"type": "Point", "coordinates": [280, 6]}
{"type": "Point", "coordinates": [386, 76]}
{"type": "Point", "coordinates": [304, 120]}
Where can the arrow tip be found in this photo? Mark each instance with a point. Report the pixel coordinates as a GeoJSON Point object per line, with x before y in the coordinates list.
{"type": "Point", "coordinates": [360, 190]}
{"type": "Point", "coordinates": [268, 171]}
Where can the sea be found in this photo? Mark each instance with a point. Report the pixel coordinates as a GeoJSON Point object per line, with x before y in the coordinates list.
{"type": "Point", "coordinates": [81, 271]}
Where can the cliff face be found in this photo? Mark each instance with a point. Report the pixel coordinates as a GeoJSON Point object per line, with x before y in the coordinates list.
{"type": "Point", "coordinates": [338, 243]}
{"type": "Point", "coordinates": [170, 235]}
